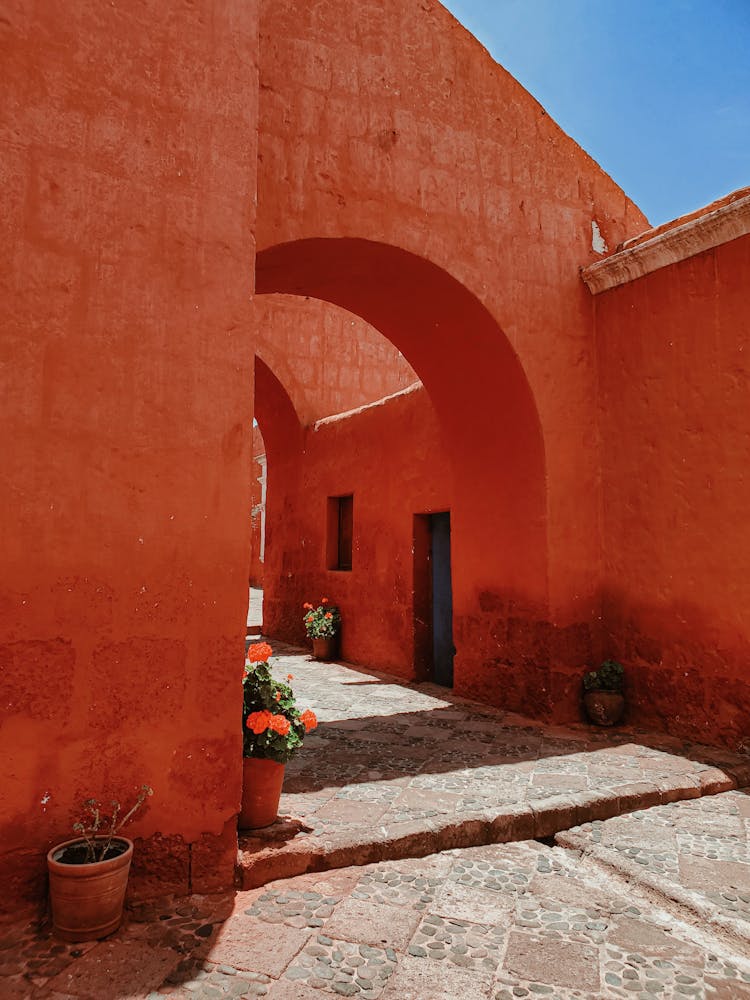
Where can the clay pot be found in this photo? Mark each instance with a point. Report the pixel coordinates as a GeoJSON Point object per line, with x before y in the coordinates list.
{"type": "Point", "coordinates": [326, 648]}
{"type": "Point", "coordinates": [261, 791]}
{"type": "Point", "coordinates": [604, 708]}
{"type": "Point", "coordinates": [87, 899]}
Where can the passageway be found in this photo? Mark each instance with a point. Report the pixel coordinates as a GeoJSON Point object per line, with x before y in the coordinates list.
{"type": "Point", "coordinates": [255, 612]}
{"type": "Point", "coordinates": [397, 769]}
{"type": "Point", "coordinates": [652, 902]}
{"type": "Point", "coordinates": [432, 463]}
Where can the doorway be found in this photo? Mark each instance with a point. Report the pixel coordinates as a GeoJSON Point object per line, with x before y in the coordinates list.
{"type": "Point", "coordinates": [433, 599]}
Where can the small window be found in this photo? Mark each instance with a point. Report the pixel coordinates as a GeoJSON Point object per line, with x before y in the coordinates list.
{"type": "Point", "coordinates": [340, 530]}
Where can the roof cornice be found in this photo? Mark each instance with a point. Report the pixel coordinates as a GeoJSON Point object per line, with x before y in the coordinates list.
{"type": "Point", "coordinates": [647, 253]}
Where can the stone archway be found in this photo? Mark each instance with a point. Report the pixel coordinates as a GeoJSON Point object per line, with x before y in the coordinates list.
{"type": "Point", "coordinates": [489, 427]}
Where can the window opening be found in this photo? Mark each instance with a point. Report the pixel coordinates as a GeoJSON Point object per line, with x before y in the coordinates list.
{"type": "Point", "coordinates": [340, 532]}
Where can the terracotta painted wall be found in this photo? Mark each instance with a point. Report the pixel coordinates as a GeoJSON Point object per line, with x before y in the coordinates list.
{"type": "Point", "coordinates": [428, 193]}
{"type": "Point", "coordinates": [128, 180]}
{"type": "Point", "coordinates": [328, 359]}
{"type": "Point", "coordinates": [408, 179]}
{"type": "Point", "coordinates": [674, 358]}
{"type": "Point", "coordinates": [404, 472]}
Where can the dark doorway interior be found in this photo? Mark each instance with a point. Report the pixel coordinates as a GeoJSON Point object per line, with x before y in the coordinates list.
{"type": "Point", "coordinates": [433, 599]}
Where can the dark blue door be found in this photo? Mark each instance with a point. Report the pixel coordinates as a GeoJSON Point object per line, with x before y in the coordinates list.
{"type": "Point", "coordinates": [442, 600]}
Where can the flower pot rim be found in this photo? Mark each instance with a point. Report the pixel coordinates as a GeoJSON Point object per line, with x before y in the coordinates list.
{"type": "Point", "coordinates": [88, 866]}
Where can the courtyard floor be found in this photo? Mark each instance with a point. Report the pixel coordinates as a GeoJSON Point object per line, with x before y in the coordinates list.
{"type": "Point", "coordinates": [626, 874]}
{"type": "Point", "coordinates": [398, 770]}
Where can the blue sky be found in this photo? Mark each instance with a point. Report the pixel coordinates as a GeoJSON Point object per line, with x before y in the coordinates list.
{"type": "Point", "coordinates": [657, 91]}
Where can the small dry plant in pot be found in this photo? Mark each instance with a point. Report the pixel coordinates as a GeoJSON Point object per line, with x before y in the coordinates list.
{"type": "Point", "coordinates": [88, 875]}
{"type": "Point", "coordinates": [98, 831]}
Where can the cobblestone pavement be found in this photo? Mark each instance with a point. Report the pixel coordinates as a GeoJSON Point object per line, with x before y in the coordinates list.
{"type": "Point", "coordinates": [650, 903]}
{"type": "Point", "coordinates": [403, 770]}
{"type": "Point", "coordinates": [498, 922]}
{"type": "Point", "coordinates": [158, 939]}
{"type": "Point", "coordinates": [696, 854]}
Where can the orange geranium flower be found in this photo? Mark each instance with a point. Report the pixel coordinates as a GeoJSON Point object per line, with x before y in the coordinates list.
{"type": "Point", "coordinates": [328, 614]}
{"type": "Point", "coordinates": [277, 696]}
{"type": "Point", "coordinates": [308, 720]}
{"type": "Point", "coordinates": [259, 652]}
{"type": "Point", "coordinates": [290, 677]}
{"type": "Point", "coordinates": [279, 724]}
{"type": "Point", "coordinates": [306, 606]}
{"type": "Point", "coordinates": [324, 600]}
{"type": "Point", "coordinates": [259, 722]}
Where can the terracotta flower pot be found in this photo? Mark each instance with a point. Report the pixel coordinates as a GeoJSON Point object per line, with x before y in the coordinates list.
{"type": "Point", "coordinates": [326, 647]}
{"type": "Point", "coordinates": [604, 708]}
{"type": "Point", "coordinates": [261, 791]}
{"type": "Point", "coordinates": [87, 899]}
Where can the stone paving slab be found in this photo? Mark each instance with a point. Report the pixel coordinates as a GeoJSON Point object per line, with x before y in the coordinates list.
{"type": "Point", "coordinates": [695, 854]}
{"type": "Point", "coordinates": [158, 940]}
{"type": "Point", "coordinates": [497, 922]}
{"type": "Point", "coordinates": [398, 770]}
{"type": "Point", "coordinates": [254, 611]}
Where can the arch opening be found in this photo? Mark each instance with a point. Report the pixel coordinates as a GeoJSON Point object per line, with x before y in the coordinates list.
{"type": "Point", "coordinates": [488, 427]}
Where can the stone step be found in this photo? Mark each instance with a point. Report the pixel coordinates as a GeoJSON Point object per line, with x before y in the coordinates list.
{"type": "Point", "coordinates": [289, 848]}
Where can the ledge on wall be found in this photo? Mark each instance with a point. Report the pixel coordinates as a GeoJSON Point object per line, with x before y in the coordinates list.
{"type": "Point", "coordinates": [717, 223]}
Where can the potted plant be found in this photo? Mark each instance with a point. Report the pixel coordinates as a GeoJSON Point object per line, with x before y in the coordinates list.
{"type": "Point", "coordinates": [88, 875]}
{"type": "Point", "coordinates": [603, 693]}
{"type": "Point", "coordinates": [273, 730]}
{"type": "Point", "coordinates": [323, 625]}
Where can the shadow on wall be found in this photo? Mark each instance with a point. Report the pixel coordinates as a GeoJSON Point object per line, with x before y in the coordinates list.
{"type": "Point", "coordinates": [686, 673]}
{"type": "Point", "coordinates": [495, 450]}
{"type": "Point", "coordinates": [467, 367]}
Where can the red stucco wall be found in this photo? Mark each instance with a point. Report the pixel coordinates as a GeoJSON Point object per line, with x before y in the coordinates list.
{"type": "Point", "coordinates": [428, 193]}
{"type": "Point", "coordinates": [404, 177]}
{"type": "Point", "coordinates": [328, 359]}
{"type": "Point", "coordinates": [405, 473]}
{"type": "Point", "coordinates": [128, 166]}
{"type": "Point", "coordinates": [674, 364]}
